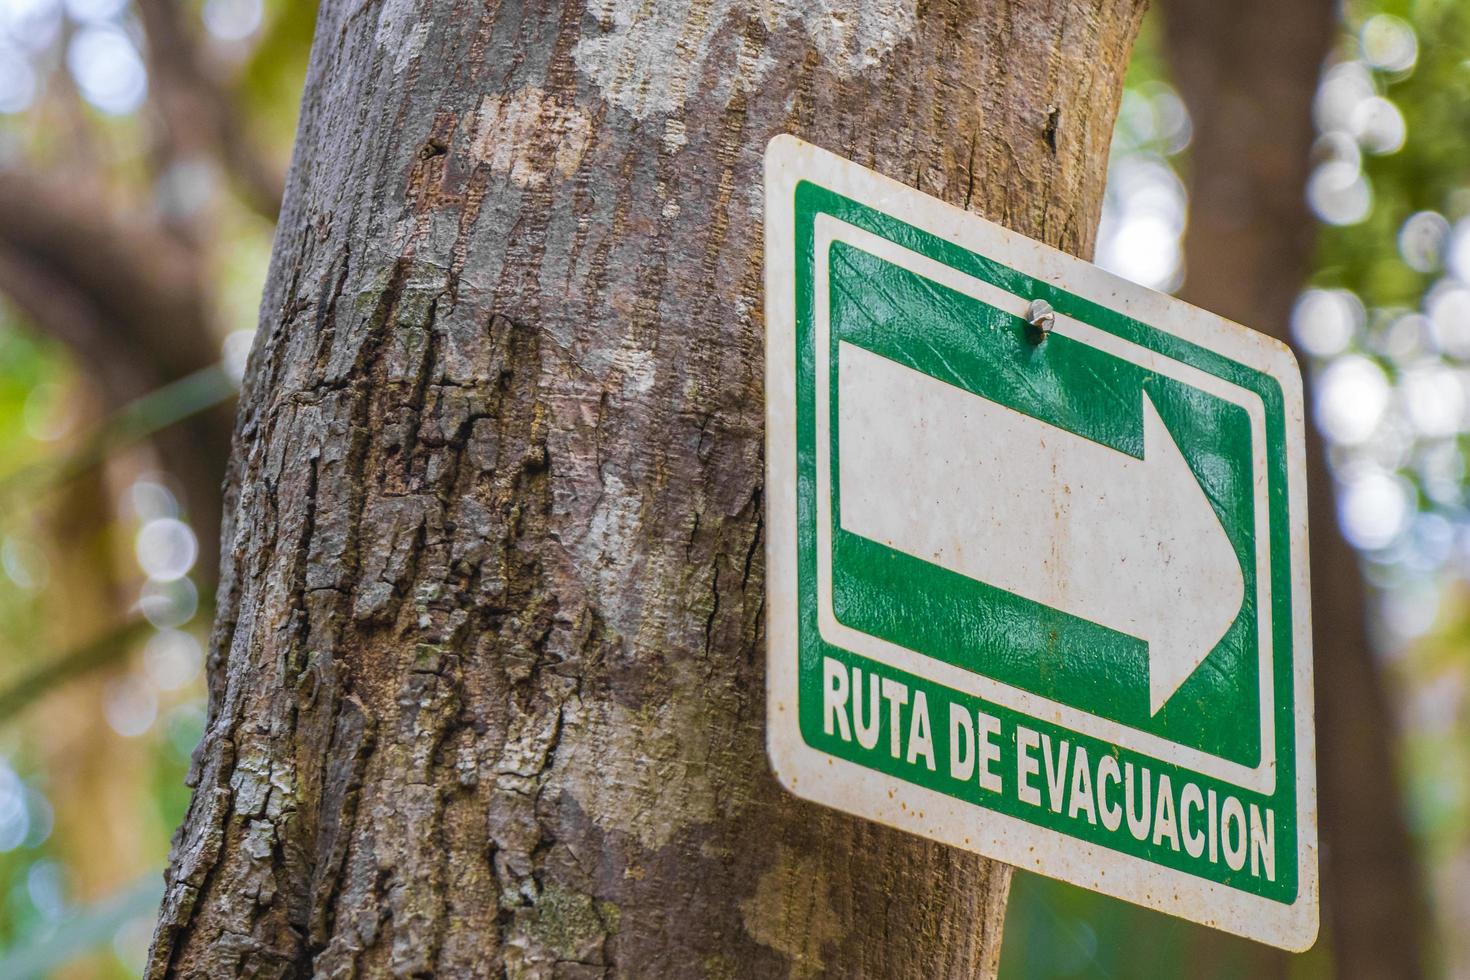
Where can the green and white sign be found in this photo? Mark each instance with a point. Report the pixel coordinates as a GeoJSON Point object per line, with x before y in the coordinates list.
{"type": "Point", "coordinates": [1037, 594]}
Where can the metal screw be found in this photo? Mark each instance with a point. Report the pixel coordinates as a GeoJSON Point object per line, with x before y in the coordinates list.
{"type": "Point", "coordinates": [1041, 316]}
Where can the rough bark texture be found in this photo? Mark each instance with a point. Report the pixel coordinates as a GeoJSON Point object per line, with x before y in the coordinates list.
{"type": "Point", "coordinates": [487, 677]}
{"type": "Point", "coordinates": [1248, 72]}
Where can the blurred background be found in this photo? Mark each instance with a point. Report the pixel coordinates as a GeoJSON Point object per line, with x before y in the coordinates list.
{"type": "Point", "coordinates": [1302, 167]}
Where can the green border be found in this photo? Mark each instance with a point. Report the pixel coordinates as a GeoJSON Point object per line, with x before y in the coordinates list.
{"type": "Point", "coordinates": [811, 200]}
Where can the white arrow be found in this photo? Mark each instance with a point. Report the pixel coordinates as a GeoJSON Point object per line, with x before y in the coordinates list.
{"type": "Point", "coordinates": [972, 486]}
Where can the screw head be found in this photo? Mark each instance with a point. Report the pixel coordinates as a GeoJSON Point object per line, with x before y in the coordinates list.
{"type": "Point", "coordinates": [1041, 316]}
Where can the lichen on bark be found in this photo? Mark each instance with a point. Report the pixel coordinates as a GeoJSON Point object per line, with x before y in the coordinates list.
{"type": "Point", "coordinates": [487, 673]}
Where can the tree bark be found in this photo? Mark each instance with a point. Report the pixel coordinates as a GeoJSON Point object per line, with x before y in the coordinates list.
{"type": "Point", "coordinates": [487, 674]}
{"type": "Point", "coordinates": [1248, 72]}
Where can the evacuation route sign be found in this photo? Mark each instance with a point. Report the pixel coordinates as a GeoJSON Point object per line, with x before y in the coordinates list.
{"type": "Point", "coordinates": [1036, 591]}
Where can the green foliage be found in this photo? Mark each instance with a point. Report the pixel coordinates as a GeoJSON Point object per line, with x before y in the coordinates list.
{"type": "Point", "coordinates": [33, 394]}
{"type": "Point", "coordinates": [1428, 173]}
{"type": "Point", "coordinates": [269, 86]}
{"type": "Point", "coordinates": [103, 758]}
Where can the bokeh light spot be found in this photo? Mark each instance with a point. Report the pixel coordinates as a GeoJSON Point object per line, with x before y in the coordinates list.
{"type": "Point", "coordinates": [166, 548]}
{"type": "Point", "coordinates": [1434, 400]}
{"type": "Point", "coordinates": [1325, 321]}
{"type": "Point", "coordinates": [32, 24]}
{"type": "Point", "coordinates": [24, 564]}
{"type": "Point", "coordinates": [1374, 507]}
{"type": "Point", "coordinates": [232, 20]}
{"type": "Point", "coordinates": [15, 823]}
{"type": "Point", "coordinates": [46, 888]}
{"type": "Point", "coordinates": [1422, 240]}
{"type": "Point", "coordinates": [1352, 395]}
{"type": "Point", "coordinates": [149, 499]}
{"type": "Point", "coordinates": [168, 605]}
{"type": "Point", "coordinates": [130, 706]}
{"type": "Point", "coordinates": [17, 80]}
{"type": "Point", "coordinates": [1378, 126]}
{"type": "Point", "coordinates": [1389, 43]}
{"type": "Point", "coordinates": [1339, 194]}
{"type": "Point", "coordinates": [108, 69]}
{"type": "Point", "coordinates": [172, 658]}
{"type": "Point", "coordinates": [1448, 306]}
{"type": "Point", "coordinates": [1343, 87]}
{"type": "Point", "coordinates": [86, 11]}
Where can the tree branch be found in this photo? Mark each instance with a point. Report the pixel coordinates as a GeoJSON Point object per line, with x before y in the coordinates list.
{"type": "Point", "coordinates": [42, 678]}
{"type": "Point", "coordinates": [108, 288]}
{"type": "Point", "coordinates": [199, 116]}
{"type": "Point", "coordinates": [128, 301]}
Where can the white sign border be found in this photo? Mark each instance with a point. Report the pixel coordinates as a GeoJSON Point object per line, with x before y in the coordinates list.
{"type": "Point", "coordinates": [836, 782]}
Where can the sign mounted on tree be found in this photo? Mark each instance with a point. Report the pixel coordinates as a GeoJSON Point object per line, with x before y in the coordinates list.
{"type": "Point", "coordinates": [1036, 554]}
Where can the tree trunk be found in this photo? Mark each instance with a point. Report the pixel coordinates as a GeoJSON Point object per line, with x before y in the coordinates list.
{"type": "Point", "coordinates": [1248, 72]}
{"type": "Point", "coordinates": [486, 681]}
